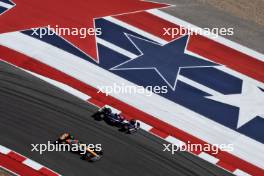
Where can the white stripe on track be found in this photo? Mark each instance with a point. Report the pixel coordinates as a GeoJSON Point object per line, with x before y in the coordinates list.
{"type": "Point", "coordinates": [32, 164]}
{"type": "Point", "coordinates": [116, 48]}
{"type": "Point", "coordinates": [145, 126]}
{"type": "Point", "coordinates": [175, 141]}
{"type": "Point", "coordinates": [208, 157]}
{"type": "Point", "coordinates": [5, 5]}
{"type": "Point", "coordinates": [239, 172]}
{"type": "Point", "coordinates": [4, 150]}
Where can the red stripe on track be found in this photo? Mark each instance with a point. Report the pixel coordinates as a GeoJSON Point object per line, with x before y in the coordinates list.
{"type": "Point", "coordinates": [149, 23]}
{"type": "Point", "coordinates": [96, 102]}
{"type": "Point", "coordinates": [226, 166]}
{"type": "Point", "coordinates": [227, 56]}
{"type": "Point", "coordinates": [201, 45]}
{"type": "Point", "coordinates": [29, 63]}
{"type": "Point", "coordinates": [127, 116]}
{"type": "Point", "coordinates": [196, 152]}
{"type": "Point", "coordinates": [47, 172]}
{"type": "Point", "coordinates": [16, 166]}
{"type": "Point", "coordinates": [16, 156]}
{"type": "Point", "coordinates": [159, 133]}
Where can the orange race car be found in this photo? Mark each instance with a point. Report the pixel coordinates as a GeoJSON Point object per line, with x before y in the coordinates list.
{"type": "Point", "coordinates": [88, 152]}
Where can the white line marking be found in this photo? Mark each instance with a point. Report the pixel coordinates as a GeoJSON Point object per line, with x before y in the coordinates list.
{"type": "Point", "coordinates": [239, 172]}
{"type": "Point", "coordinates": [174, 141]}
{"type": "Point", "coordinates": [5, 5]}
{"type": "Point", "coordinates": [145, 126]}
{"type": "Point", "coordinates": [32, 164]}
{"type": "Point", "coordinates": [4, 150]}
{"type": "Point", "coordinates": [208, 157]}
{"type": "Point", "coordinates": [116, 48]}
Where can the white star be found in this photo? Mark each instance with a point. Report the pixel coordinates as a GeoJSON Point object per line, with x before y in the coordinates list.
{"type": "Point", "coordinates": [250, 103]}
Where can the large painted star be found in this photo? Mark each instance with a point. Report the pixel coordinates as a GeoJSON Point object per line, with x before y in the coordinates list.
{"type": "Point", "coordinates": [250, 103]}
{"type": "Point", "coordinates": [166, 60]}
{"type": "Point", "coordinates": [27, 14]}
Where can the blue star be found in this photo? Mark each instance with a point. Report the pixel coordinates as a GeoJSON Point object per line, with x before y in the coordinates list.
{"type": "Point", "coordinates": [166, 60]}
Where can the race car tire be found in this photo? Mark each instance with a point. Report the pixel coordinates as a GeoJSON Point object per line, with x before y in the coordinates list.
{"type": "Point", "coordinates": [99, 117]}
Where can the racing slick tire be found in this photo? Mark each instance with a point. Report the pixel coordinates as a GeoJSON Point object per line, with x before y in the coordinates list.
{"type": "Point", "coordinates": [99, 116]}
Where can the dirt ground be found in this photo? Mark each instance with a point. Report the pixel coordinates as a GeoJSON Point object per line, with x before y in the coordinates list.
{"type": "Point", "coordinates": [251, 10]}
{"type": "Point", "coordinates": [5, 173]}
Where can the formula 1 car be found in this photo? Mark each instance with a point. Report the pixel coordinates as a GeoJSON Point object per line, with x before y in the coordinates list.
{"type": "Point", "coordinates": [117, 120]}
{"type": "Point", "coordinates": [89, 154]}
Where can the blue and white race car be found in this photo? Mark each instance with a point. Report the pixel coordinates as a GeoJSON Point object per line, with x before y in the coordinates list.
{"type": "Point", "coordinates": [117, 120]}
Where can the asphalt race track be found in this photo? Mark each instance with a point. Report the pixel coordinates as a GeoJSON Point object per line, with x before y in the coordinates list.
{"type": "Point", "coordinates": [32, 111]}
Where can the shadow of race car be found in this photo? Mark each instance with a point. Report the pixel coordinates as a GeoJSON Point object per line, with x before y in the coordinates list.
{"type": "Point", "coordinates": [87, 153]}
{"type": "Point", "coordinates": [114, 119]}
